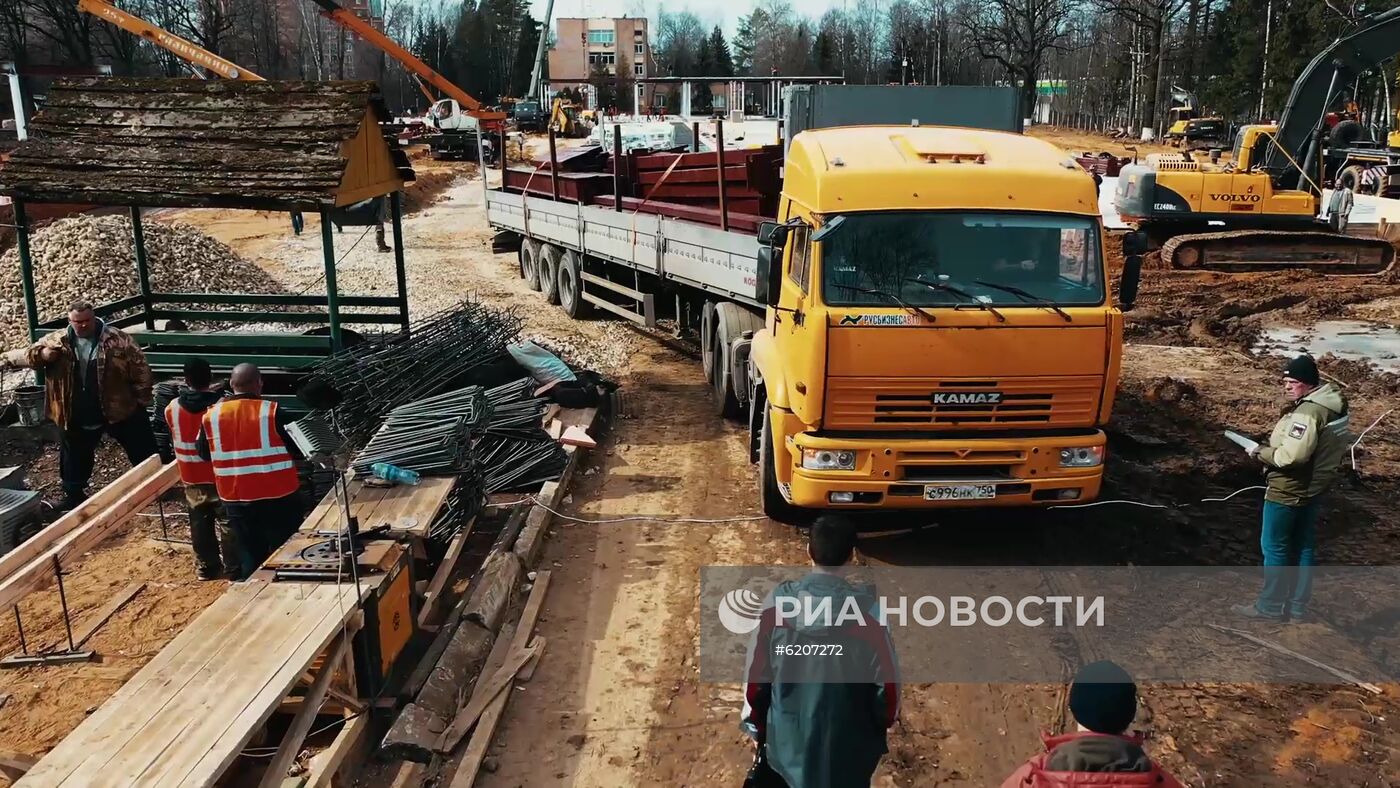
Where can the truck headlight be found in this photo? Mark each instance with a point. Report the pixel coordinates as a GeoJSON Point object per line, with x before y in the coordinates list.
{"type": "Point", "coordinates": [828, 460]}
{"type": "Point", "coordinates": [1090, 457]}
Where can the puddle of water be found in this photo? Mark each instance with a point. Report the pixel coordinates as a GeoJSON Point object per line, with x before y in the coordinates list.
{"type": "Point", "coordinates": [1349, 339]}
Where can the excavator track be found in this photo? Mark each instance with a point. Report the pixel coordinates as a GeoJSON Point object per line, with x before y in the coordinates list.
{"type": "Point", "coordinates": [1273, 250]}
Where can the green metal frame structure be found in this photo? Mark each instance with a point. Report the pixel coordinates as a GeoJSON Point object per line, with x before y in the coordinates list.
{"type": "Point", "coordinates": [167, 350]}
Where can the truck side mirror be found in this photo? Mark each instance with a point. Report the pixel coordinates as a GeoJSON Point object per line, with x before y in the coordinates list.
{"type": "Point", "coordinates": [770, 275]}
{"type": "Point", "coordinates": [771, 238]}
{"type": "Point", "coordinates": [1135, 244]}
{"type": "Point", "coordinates": [1128, 285]}
{"type": "Point", "coordinates": [772, 234]}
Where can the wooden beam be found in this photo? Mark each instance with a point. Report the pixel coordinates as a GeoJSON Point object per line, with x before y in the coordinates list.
{"type": "Point", "coordinates": [475, 755]}
{"type": "Point", "coordinates": [107, 611]}
{"type": "Point", "coordinates": [499, 682]}
{"type": "Point", "coordinates": [348, 701]}
{"type": "Point", "coordinates": [327, 762]}
{"type": "Point", "coordinates": [14, 764]}
{"type": "Point", "coordinates": [448, 566]}
{"type": "Point", "coordinates": [38, 572]}
{"type": "Point", "coordinates": [24, 553]}
{"type": "Point", "coordinates": [301, 723]}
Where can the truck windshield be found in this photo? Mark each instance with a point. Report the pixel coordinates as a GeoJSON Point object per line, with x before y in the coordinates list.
{"type": "Point", "coordinates": [1049, 258]}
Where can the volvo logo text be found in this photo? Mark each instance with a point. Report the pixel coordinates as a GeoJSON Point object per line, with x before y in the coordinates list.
{"type": "Point", "coordinates": [1236, 197]}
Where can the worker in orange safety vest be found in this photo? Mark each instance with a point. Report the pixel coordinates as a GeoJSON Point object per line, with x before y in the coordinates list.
{"type": "Point", "coordinates": [255, 472]}
{"type": "Point", "coordinates": [215, 549]}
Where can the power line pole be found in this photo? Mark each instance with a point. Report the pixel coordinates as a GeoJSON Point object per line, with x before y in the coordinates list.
{"type": "Point", "coordinates": [1264, 78]}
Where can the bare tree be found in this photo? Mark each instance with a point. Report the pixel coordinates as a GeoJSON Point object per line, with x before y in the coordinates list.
{"type": "Point", "coordinates": [1019, 34]}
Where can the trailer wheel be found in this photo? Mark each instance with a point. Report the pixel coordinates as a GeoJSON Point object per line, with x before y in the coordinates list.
{"type": "Point", "coordinates": [571, 286]}
{"type": "Point", "coordinates": [549, 272]}
{"type": "Point", "coordinates": [775, 506]}
{"type": "Point", "coordinates": [707, 338]}
{"type": "Point", "coordinates": [730, 322]}
{"type": "Point", "coordinates": [530, 263]}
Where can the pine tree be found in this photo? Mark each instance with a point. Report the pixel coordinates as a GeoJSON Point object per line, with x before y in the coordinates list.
{"type": "Point", "coordinates": [719, 52]}
{"type": "Point", "coordinates": [746, 40]}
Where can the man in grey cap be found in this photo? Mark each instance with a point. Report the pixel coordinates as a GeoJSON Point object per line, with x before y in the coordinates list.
{"type": "Point", "coordinates": [1302, 459]}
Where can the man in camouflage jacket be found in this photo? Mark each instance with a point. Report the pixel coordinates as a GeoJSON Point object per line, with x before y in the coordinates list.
{"type": "Point", "coordinates": [1301, 460]}
{"type": "Point", "coordinates": [98, 382]}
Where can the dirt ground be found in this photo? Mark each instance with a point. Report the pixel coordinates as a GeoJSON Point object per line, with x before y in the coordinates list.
{"type": "Point", "coordinates": [1076, 141]}
{"type": "Point", "coordinates": [617, 699]}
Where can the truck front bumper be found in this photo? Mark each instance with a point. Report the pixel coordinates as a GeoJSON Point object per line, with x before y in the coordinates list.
{"type": "Point", "coordinates": [902, 473]}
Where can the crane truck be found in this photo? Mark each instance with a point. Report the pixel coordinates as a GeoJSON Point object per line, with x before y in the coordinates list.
{"type": "Point", "coordinates": [1262, 209]}
{"type": "Point", "coordinates": [924, 323]}
{"type": "Point", "coordinates": [193, 54]}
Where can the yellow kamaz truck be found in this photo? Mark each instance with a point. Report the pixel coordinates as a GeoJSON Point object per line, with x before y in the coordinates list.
{"type": "Point", "coordinates": [925, 323]}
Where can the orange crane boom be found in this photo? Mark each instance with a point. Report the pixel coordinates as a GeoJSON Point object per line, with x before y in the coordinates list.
{"type": "Point", "coordinates": [186, 50]}
{"type": "Point", "coordinates": [350, 21]}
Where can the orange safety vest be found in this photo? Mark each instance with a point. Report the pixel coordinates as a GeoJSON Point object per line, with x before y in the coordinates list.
{"type": "Point", "coordinates": [184, 431]}
{"type": "Point", "coordinates": [251, 463]}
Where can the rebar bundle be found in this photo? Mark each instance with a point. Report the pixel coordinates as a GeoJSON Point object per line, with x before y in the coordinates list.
{"type": "Point", "coordinates": [435, 355]}
{"type": "Point", "coordinates": [165, 391]}
{"type": "Point", "coordinates": [463, 504]}
{"type": "Point", "coordinates": [514, 452]}
{"type": "Point", "coordinates": [432, 447]}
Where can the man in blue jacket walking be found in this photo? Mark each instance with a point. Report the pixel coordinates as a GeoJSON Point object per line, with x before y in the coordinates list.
{"type": "Point", "coordinates": [819, 718]}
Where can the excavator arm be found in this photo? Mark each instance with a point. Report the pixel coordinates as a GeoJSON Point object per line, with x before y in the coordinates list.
{"type": "Point", "coordinates": [1299, 128]}
{"type": "Point", "coordinates": [420, 70]}
{"type": "Point", "coordinates": [185, 50]}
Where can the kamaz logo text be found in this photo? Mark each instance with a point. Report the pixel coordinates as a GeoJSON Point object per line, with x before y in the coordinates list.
{"type": "Point", "coordinates": [967, 398]}
{"type": "Point", "coordinates": [1236, 197]}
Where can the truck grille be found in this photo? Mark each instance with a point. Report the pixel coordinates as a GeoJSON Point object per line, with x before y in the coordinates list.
{"type": "Point", "coordinates": [874, 403]}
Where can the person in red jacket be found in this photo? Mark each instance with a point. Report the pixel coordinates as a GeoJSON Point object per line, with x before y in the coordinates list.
{"type": "Point", "coordinates": [1103, 700]}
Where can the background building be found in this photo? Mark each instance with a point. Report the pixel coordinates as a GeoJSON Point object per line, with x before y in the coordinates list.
{"type": "Point", "coordinates": [607, 53]}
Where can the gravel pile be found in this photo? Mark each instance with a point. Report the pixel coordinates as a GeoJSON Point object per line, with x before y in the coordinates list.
{"type": "Point", "coordinates": [607, 356]}
{"type": "Point", "coordinates": [91, 258]}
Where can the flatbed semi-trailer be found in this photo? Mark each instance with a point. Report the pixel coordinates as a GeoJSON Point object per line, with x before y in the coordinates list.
{"type": "Point", "coordinates": [925, 322]}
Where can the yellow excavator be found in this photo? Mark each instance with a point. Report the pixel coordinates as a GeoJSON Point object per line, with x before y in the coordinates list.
{"type": "Point", "coordinates": [1262, 210]}
{"type": "Point", "coordinates": [1187, 129]}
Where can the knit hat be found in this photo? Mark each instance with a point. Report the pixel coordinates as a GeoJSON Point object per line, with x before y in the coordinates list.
{"type": "Point", "coordinates": [1103, 698]}
{"type": "Point", "coordinates": [1302, 369]}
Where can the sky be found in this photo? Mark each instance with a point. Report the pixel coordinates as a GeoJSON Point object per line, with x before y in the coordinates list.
{"type": "Point", "coordinates": [725, 13]}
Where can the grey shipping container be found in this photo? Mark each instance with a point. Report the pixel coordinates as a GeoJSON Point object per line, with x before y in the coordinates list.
{"type": "Point", "coordinates": [825, 106]}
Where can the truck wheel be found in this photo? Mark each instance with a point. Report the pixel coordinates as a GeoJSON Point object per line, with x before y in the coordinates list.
{"type": "Point", "coordinates": [775, 507]}
{"type": "Point", "coordinates": [549, 272]}
{"type": "Point", "coordinates": [729, 323]}
{"type": "Point", "coordinates": [571, 286]}
{"type": "Point", "coordinates": [530, 263]}
{"type": "Point", "coordinates": [707, 338]}
{"type": "Point", "coordinates": [1350, 177]}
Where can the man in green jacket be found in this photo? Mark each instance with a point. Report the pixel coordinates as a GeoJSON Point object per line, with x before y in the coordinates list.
{"type": "Point", "coordinates": [1302, 459]}
{"type": "Point", "coordinates": [819, 721]}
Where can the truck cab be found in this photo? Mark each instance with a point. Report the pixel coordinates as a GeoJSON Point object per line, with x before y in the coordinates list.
{"type": "Point", "coordinates": [939, 329]}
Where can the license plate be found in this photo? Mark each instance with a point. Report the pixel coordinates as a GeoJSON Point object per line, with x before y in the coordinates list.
{"type": "Point", "coordinates": [959, 492]}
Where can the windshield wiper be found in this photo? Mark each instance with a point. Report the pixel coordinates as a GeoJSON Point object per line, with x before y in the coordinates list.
{"type": "Point", "coordinates": [1025, 296]}
{"type": "Point", "coordinates": [887, 296]}
{"type": "Point", "coordinates": [959, 292]}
